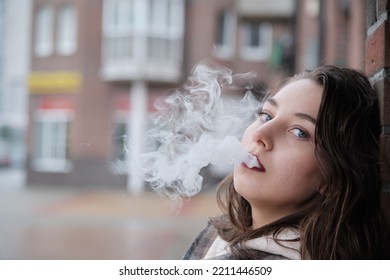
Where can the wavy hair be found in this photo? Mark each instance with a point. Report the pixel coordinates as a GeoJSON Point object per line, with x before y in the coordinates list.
{"type": "Point", "coordinates": [346, 219]}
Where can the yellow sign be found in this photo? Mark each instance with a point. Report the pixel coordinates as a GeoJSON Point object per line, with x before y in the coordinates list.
{"type": "Point", "coordinates": [54, 82]}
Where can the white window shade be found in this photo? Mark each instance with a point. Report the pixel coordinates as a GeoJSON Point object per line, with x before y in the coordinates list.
{"type": "Point", "coordinates": [44, 32]}
{"type": "Point", "coordinates": [266, 8]}
{"type": "Point", "coordinates": [67, 30]}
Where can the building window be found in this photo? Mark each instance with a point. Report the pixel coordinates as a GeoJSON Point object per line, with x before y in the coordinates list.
{"type": "Point", "coordinates": [226, 26]}
{"type": "Point", "coordinates": [118, 29]}
{"type": "Point", "coordinates": [120, 154]}
{"type": "Point", "coordinates": [256, 41]}
{"type": "Point", "coordinates": [163, 32]}
{"type": "Point", "coordinates": [52, 141]}
{"type": "Point", "coordinates": [44, 31]}
{"type": "Point", "coordinates": [67, 30]}
{"type": "Point", "coordinates": [142, 38]}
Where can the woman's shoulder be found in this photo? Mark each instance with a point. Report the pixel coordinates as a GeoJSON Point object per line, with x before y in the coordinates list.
{"type": "Point", "coordinates": [207, 238]}
{"type": "Point", "coordinates": [202, 242]}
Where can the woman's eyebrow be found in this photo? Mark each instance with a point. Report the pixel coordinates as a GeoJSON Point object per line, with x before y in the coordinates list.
{"type": "Point", "coordinates": [303, 116]}
{"type": "Point", "coordinates": [272, 101]}
{"type": "Point", "coordinates": [306, 117]}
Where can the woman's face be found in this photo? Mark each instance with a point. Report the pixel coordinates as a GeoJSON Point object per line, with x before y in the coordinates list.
{"type": "Point", "coordinates": [282, 139]}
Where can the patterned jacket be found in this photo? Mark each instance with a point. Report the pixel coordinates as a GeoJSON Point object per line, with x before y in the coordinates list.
{"type": "Point", "coordinates": [203, 242]}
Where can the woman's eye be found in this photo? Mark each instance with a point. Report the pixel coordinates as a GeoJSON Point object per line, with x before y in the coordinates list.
{"type": "Point", "coordinates": [300, 133]}
{"type": "Point", "coordinates": [265, 117]}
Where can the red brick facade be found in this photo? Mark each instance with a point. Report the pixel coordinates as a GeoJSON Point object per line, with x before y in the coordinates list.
{"type": "Point", "coordinates": [378, 63]}
{"type": "Point", "coordinates": [378, 68]}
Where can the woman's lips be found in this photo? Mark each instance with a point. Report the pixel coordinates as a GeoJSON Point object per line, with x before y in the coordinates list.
{"type": "Point", "coordinates": [259, 167]}
{"type": "Point", "coordinates": [253, 168]}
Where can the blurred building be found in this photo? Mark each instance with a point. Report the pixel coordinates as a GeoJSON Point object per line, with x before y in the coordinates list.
{"type": "Point", "coordinates": [244, 35]}
{"type": "Point", "coordinates": [97, 66]}
{"type": "Point", "coordinates": [15, 18]}
{"type": "Point", "coordinates": [330, 32]}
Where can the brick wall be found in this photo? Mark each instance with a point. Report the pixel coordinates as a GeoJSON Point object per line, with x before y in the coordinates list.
{"type": "Point", "coordinates": [378, 68]}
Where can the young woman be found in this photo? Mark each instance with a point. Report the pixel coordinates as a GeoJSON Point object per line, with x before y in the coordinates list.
{"type": "Point", "coordinates": [316, 193]}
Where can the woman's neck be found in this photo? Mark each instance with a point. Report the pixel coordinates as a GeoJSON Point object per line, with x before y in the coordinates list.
{"type": "Point", "coordinates": [262, 216]}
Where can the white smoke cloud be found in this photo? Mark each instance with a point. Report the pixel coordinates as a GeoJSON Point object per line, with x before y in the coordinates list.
{"type": "Point", "coordinates": [196, 126]}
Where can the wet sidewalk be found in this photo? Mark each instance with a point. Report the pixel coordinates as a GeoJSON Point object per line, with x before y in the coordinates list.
{"type": "Point", "coordinates": [69, 223]}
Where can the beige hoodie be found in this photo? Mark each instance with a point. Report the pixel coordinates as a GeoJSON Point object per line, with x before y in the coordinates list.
{"type": "Point", "coordinates": [290, 250]}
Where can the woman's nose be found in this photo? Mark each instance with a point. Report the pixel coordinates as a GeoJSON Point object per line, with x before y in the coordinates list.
{"type": "Point", "coordinates": [262, 136]}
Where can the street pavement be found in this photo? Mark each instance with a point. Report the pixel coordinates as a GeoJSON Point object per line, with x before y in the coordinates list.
{"type": "Point", "coordinates": [70, 223]}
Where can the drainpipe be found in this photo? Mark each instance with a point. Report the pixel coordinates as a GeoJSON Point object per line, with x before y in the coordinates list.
{"type": "Point", "coordinates": [138, 100]}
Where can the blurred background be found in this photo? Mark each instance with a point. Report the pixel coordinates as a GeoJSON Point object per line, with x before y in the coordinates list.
{"type": "Point", "coordinates": [78, 79]}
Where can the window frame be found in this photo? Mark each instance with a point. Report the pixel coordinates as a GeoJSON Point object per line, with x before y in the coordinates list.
{"type": "Point", "coordinates": [67, 29]}
{"type": "Point", "coordinates": [44, 27]}
{"type": "Point", "coordinates": [227, 30]}
{"type": "Point", "coordinates": [263, 50]}
{"type": "Point", "coordinates": [51, 151]}
{"type": "Point", "coordinates": [145, 33]}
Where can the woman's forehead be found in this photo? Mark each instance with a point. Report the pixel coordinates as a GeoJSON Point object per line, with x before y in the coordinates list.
{"type": "Point", "coordinates": [298, 93]}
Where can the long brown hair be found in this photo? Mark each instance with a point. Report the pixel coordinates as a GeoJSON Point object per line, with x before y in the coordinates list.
{"type": "Point", "coordinates": [346, 220]}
